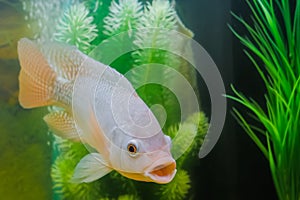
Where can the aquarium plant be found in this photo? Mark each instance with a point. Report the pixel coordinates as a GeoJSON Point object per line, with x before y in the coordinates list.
{"type": "Point", "coordinates": [123, 16]}
{"type": "Point", "coordinates": [76, 28]}
{"type": "Point", "coordinates": [152, 31]}
{"type": "Point", "coordinates": [42, 15]}
{"type": "Point", "coordinates": [86, 25]}
{"type": "Point", "coordinates": [274, 49]}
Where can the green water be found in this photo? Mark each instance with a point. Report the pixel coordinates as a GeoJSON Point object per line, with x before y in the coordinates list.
{"type": "Point", "coordinates": [25, 146]}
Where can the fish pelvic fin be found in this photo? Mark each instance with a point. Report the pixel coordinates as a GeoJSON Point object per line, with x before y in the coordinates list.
{"type": "Point", "coordinates": [63, 125]}
{"type": "Point", "coordinates": [36, 78]}
{"type": "Point", "coordinates": [90, 168]}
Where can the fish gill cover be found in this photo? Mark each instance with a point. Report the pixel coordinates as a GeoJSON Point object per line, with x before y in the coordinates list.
{"type": "Point", "coordinates": [88, 24]}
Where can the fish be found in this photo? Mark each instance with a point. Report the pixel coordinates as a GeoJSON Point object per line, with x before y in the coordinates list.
{"type": "Point", "coordinates": [99, 107]}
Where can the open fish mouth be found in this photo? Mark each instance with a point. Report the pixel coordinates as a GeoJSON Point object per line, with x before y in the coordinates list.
{"type": "Point", "coordinates": [163, 171]}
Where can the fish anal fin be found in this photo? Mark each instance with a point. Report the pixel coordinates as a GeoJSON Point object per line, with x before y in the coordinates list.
{"type": "Point", "coordinates": [90, 168]}
{"type": "Point", "coordinates": [63, 125]}
{"type": "Point", "coordinates": [36, 78]}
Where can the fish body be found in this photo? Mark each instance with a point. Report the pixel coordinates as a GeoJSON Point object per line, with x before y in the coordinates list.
{"type": "Point", "coordinates": [100, 108]}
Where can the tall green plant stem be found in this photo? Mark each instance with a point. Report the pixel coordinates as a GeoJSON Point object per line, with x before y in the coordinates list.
{"type": "Point", "coordinates": [275, 42]}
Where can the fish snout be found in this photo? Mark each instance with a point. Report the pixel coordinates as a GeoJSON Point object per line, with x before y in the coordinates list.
{"type": "Point", "coordinates": [162, 171]}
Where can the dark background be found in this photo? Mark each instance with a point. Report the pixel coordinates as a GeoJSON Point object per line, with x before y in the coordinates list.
{"type": "Point", "coordinates": [235, 168]}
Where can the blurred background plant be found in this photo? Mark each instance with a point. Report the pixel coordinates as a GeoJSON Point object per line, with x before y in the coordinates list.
{"type": "Point", "coordinates": [76, 28]}
{"type": "Point", "coordinates": [89, 23]}
{"type": "Point", "coordinates": [42, 16]}
{"type": "Point", "coordinates": [274, 49]}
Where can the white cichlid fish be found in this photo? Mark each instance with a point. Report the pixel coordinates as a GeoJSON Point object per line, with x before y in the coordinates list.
{"type": "Point", "coordinates": [100, 108]}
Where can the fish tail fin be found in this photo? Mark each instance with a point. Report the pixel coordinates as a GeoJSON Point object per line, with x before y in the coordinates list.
{"type": "Point", "coordinates": [36, 78]}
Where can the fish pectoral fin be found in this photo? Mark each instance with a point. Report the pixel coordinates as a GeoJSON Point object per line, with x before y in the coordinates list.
{"type": "Point", "coordinates": [63, 125]}
{"type": "Point", "coordinates": [90, 168]}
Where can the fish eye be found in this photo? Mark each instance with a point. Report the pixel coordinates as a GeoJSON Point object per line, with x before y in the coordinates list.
{"type": "Point", "coordinates": [132, 148]}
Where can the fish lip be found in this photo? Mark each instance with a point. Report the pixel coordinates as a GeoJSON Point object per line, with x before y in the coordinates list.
{"type": "Point", "coordinates": [169, 164]}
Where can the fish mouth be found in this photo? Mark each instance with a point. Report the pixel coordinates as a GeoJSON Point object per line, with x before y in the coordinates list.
{"type": "Point", "coordinates": [162, 171]}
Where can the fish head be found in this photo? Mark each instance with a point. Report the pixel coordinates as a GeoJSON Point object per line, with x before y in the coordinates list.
{"type": "Point", "coordinates": [145, 159]}
{"type": "Point", "coordinates": [139, 148]}
{"type": "Point", "coordinates": [162, 166]}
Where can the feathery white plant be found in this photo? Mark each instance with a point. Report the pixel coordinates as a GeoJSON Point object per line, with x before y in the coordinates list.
{"type": "Point", "coordinates": [153, 34]}
{"type": "Point", "coordinates": [42, 16]}
{"type": "Point", "coordinates": [123, 16]}
{"type": "Point", "coordinates": [153, 27]}
{"type": "Point", "coordinates": [77, 28]}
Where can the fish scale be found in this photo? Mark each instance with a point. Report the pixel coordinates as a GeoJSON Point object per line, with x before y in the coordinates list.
{"type": "Point", "coordinates": [63, 93]}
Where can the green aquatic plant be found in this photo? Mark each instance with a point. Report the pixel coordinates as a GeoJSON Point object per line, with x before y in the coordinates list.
{"type": "Point", "coordinates": [275, 43]}
{"type": "Point", "coordinates": [76, 28]}
{"type": "Point", "coordinates": [194, 129]}
{"type": "Point", "coordinates": [152, 36]}
{"type": "Point", "coordinates": [63, 169]}
{"type": "Point", "coordinates": [158, 19]}
{"type": "Point", "coordinates": [177, 189]}
{"type": "Point", "coordinates": [128, 197]}
{"type": "Point", "coordinates": [123, 16]}
{"type": "Point", "coordinates": [98, 9]}
{"type": "Point", "coordinates": [43, 15]}
{"type": "Point", "coordinates": [120, 26]}
{"type": "Point", "coordinates": [180, 185]}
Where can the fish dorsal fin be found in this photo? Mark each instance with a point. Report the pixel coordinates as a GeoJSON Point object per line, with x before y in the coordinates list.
{"type": "Point", "coordinates": [66, 60]}
{"type": "Point", "coordinates": [63, 125]}
{"type": "Point", "coordinates": [90, 168]}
